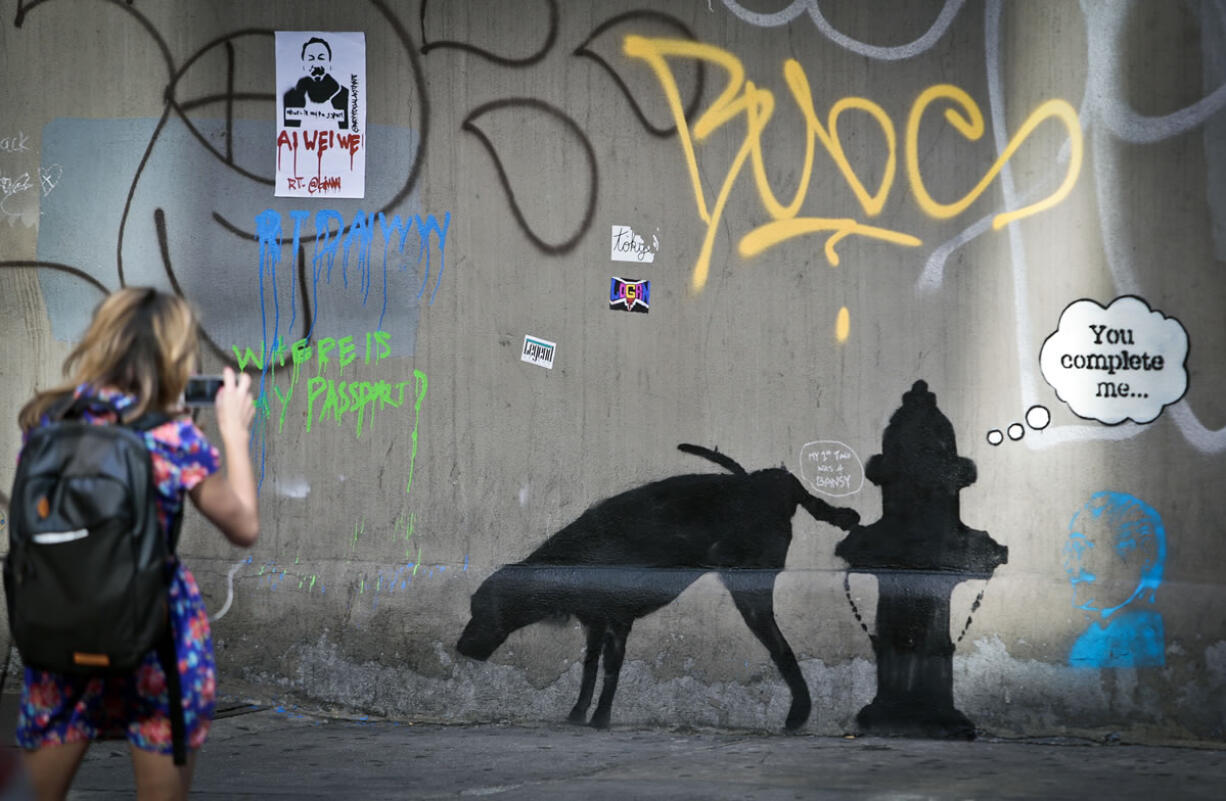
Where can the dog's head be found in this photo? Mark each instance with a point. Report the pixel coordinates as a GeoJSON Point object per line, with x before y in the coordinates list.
{"type": "Point", "coordinates": [499, 606]}
{"type": "Point", "coordinates": [483, 634]}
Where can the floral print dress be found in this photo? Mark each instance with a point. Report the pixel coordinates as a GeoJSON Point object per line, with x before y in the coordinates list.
{"type": "Point", "coordinates": [58, 708]}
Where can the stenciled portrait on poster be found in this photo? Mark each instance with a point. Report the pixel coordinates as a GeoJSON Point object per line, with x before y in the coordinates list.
{"type": "Point", "coordinates": [321, 114]}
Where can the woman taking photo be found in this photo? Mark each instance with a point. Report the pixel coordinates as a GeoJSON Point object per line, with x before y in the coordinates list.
{"type": "Point", "coordinates": [135, 359]}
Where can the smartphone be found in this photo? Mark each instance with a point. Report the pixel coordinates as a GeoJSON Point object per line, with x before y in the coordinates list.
{"type": "Point", "coordinates": [201, 390]}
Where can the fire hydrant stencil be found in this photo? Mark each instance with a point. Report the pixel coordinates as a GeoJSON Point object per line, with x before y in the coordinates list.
{"type": "Point", "coordinates": [919, 551]}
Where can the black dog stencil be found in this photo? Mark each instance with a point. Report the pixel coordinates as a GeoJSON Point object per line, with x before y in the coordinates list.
{"type": "Point", "coordinates": [631, 554]}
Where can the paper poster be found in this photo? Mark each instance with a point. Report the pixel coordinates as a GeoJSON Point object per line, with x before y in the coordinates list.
{"type": "Point", "coordinates": [321, 114]}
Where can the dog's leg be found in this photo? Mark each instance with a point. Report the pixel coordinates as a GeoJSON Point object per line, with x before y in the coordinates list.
{"type": "Point", "coordinates": [753, 593]}
{"type": "Point", "coordinates": [591, 661]}
{"type": "Point", "coordinates": [614, 654]}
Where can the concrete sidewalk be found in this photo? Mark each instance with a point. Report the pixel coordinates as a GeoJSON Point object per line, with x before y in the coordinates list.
{"type": "Point", "coordinates": [281, 753]}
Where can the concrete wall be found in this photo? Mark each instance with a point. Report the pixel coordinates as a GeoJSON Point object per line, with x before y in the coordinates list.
{"type": "Point", "coordinates": [138, 147]}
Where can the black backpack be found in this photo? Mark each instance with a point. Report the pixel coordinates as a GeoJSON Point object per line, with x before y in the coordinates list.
{"type": "Point", "coordinates": [88, 570]}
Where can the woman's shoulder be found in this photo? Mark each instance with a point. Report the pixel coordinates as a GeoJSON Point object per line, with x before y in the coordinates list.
{"type": "Point", "coordinates": [179, 431]}
{"type": "Point", "coordinates": [183, 440]}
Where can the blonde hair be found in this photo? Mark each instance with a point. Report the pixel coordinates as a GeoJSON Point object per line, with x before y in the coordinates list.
{"type": "Point", "coordinates": [140, 341]}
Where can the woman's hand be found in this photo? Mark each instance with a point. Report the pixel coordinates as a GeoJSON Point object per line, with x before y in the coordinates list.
{"type": "Point", "coordinates": [229, 500]}
{"type": "Point", "coordinates": [234, 406]}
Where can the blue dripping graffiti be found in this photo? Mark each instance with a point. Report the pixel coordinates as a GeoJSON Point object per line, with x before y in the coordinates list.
{"type": "Point", "coordinates": [331, 240]}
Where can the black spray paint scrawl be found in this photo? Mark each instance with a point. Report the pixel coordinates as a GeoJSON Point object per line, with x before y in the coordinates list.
{"type": "Point", "coordinates": [629, 555]}
{"type": "Point", "coordinates": [919, 550]}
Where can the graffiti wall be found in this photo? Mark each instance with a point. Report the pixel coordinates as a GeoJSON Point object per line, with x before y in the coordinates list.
{"type": "Point", "coordinates": [915, 424]}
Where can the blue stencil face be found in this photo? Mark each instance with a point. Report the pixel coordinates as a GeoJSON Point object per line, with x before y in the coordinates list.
{"type": "Point", "coordinates": [1114, 535]}
{"type": "Point", "coordinates": [1113, 540]}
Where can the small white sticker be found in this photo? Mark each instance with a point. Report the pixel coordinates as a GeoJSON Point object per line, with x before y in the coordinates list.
{"type": "Point", "coordinates": [538, 351]}
{"type": "Point", "coordinates": [629, 246]}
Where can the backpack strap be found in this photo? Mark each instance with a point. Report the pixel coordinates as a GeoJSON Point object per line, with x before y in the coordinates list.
{"type": "Point", "coordinates": [71, 407]}
{"type": "Point", "coordinates": [67, 407]}
{"type": "Point", "coordinates": [174, 692]}
{"type": "Point", "coordinates": [147, 422]}
{"type": "Point", "coordinates": [176, 525]}
{"type": "Point", "coordinates": [166, 651]}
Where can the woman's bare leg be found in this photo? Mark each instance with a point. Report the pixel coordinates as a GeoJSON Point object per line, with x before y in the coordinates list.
{"type": "Point", "coordinates": [52, 767]}
{"type": "Point", "coordinates": [158, 778]}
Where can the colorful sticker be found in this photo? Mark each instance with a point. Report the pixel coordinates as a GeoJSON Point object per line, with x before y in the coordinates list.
{"type": "Point", "coordinates": [628, 294]}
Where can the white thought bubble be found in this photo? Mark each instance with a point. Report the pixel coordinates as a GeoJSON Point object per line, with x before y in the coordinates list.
{"type": "Point", "coordinates": [1037, 417]}
{"type": "Point", "coordinates": [831, 468]}
{"type": "Point", "coordinates": [1115, 363]}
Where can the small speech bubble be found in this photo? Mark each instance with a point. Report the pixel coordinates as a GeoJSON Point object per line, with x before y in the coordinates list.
{"type": "Point", "coordinates": [1115, 363]}
{"type": "Point", "coordinates": [831, 468]}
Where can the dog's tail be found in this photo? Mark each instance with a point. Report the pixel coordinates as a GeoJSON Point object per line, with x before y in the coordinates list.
{"type": "Point", "coordinates": [726, 462]}
{"type": "Point", "coordinates": [839, 516]}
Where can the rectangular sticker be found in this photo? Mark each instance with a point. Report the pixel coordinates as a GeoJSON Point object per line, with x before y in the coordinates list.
{"type": "Point", "coordinates": [630, 294]}
{"type": "Point", "coordinates": [321, 114]}
{"type": "Point", "coordinates": [629, 246]}
{"type": "Point", "coordinates": [538, 351]}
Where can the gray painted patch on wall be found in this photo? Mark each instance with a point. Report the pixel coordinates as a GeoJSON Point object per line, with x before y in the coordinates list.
{"type": "Point", "coordinates": [218, 269]}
